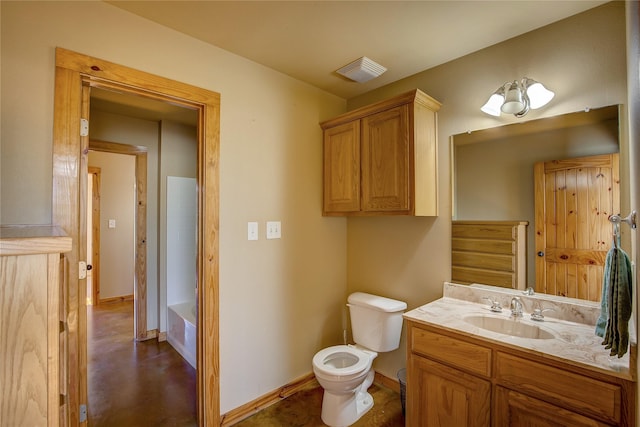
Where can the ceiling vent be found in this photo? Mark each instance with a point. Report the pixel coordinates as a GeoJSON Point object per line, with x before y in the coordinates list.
{"type": "Point", "coordinates": [362, 70]}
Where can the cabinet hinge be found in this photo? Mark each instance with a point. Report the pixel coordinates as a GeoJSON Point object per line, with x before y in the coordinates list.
{"type": "Point", "coordinates": [84, 127]}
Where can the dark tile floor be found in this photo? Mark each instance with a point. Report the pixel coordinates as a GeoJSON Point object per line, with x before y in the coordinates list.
{"type": "Point", "coordinates": [148, 383]}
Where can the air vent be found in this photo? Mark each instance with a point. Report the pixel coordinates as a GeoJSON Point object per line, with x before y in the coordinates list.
{"type": "Point", "coordinates": [362, 70]}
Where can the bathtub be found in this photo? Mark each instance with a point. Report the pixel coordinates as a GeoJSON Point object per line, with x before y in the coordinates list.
{"type": "Point", "coordinates": [181, 334]}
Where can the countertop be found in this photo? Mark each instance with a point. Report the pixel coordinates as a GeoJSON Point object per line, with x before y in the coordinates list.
{"type": "Point", "coordinates": [571, 322]}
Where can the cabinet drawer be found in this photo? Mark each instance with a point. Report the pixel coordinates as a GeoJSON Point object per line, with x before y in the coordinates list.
{"type": "Point", "coordinates": [560, 387]}
{"type": "Point", "coordinates": [461, 354]}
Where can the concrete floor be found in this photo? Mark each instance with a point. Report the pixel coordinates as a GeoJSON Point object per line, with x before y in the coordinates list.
{"type": "Point", "coordinates": [148, 383]}
{"type": "Point", "coordinates": [303, 410]}
{"type": "Point", "coordinates": [135, 383]}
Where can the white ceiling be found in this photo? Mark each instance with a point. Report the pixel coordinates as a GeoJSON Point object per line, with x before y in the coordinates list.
{"type": "Point", "coordinates": [309, 40]}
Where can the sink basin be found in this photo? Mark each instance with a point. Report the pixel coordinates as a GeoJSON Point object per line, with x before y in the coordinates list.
{"type": "Point", "coordinates": [509, 326]}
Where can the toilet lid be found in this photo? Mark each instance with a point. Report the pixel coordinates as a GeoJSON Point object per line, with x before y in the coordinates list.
{"type": "Point", "coordinates": [341, 360]}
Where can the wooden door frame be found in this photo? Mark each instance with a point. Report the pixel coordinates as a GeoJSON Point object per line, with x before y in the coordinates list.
{"type": "Point", "coordinates": [74, 73]}
{"type": "Point", "coordinates": [140, 256]}
{"type": "Point", "coordinates": [95, 234]}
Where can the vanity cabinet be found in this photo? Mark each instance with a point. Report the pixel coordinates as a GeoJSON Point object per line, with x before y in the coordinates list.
{"type": "Point", "coordinates": [382, 159]}
{"type": "Point", "coordinates": [32, 326]}
{"type": "Point", "coordinates": [458, 380]}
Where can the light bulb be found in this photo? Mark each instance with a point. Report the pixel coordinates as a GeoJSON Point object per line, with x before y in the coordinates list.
{"type": "Point", "coordinates": [493, 105]}
{"type": "Point", "coordinates": [513, 102]}
{"type": "Point", "coordinates": [539, 96]}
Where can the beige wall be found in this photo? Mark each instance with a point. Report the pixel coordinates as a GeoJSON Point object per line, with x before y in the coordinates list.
{"type": "Point", "coordinates": [280, 300]}
{"type": "Point", "coordinates": [581, 58]}
{"type": "Point", "coordinates": [117, 202]}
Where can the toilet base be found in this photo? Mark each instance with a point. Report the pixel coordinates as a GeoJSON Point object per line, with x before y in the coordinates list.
{"type": "Point", "coordinates": [343, 410]}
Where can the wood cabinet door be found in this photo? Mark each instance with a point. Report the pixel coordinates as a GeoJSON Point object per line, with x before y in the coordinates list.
{"type": "Point", "coordinates": [386, 161]}
{"type": "Point", "coordinates": [439, 396]}
{"type": "Point", "coordinates": [342, 168]}
{"type": "Point", "coordinates": [28, 349]}
{"type": "Point", "coordinates": [515, 409]}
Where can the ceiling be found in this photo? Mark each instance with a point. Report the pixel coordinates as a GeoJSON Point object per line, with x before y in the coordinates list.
{"type": "Point", "coordinates": [310, 40]}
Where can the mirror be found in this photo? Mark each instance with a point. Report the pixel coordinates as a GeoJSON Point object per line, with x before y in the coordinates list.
{"type": "Point", "coordinates": [493, 169]}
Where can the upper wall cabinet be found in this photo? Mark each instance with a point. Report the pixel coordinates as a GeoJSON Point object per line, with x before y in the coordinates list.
{"type": "Point", "coordinates": [382, 159]}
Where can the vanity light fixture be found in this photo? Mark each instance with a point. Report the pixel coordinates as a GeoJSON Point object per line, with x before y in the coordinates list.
{"type": "Point", "coordinates": [517, 98]}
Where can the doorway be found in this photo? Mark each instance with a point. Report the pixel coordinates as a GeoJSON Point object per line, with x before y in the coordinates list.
{"type": "Point", "coordinates": [139, 258]}
{"type": "Point", "coordinates": [75, 75]}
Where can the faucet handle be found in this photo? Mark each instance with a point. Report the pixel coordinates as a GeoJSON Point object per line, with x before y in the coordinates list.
{"type": "Point", "coordinates": [529, 291]}
{"type": "Point", "coordinates": [537, 314]}
{"type": "Point", "coordinates": [495, 305]}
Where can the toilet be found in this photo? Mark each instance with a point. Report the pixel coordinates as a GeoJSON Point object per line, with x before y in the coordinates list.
{"type": "Point", "coordinates": [344, 371]}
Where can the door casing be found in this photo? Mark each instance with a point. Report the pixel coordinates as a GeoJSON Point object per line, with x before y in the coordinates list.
{"type": "Point", "coordinates": [75, 74]}
{"type": "Point", "coordinates": [95, 174]}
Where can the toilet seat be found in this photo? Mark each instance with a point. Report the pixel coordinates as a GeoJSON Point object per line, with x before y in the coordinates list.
{"type": "Point", "coordinates": [329, 361]}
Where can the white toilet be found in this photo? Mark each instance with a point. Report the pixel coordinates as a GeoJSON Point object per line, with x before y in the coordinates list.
{"type": "Point", "coordinates": [344, 371]}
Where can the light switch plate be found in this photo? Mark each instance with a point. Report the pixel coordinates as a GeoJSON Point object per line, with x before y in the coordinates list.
{"type": "Point", "coordinates": [252, 231]}
{"type": "Point", "coordinates": [273, 230]}
{"type": "Point", "coordinates": [112, 223]}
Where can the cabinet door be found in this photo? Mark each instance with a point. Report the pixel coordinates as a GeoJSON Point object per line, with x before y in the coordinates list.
{"type": "Point", "coordinates": [385, 161]}
{"type": "Point", "coordinates": [342, 168]}
{"type": "Point", "coordinates": [25, 357]}
{"type": "Point", "coordinates": [439, 396]}
{"type": "Point", "coordinates": [516, 409]}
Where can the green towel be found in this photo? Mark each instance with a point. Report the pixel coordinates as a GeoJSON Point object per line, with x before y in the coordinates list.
{"type": "Point", "coordinates": [601, 324]}
{"type": "Point", "coordinates": [615, 313]}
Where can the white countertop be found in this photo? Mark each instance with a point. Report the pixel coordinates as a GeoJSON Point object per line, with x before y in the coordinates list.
{"type": "Point", "coordinates": [574, 342]}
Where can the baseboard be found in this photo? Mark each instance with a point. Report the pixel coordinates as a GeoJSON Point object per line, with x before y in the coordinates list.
{"type": "Point", "coordinates": [240, 413]}
{"type": "Point", "coordinates": [162, 336]}
{"type": "Point", "coordinates": [390, 383]}
{"type": "Point", "coordinates": [149, 335]}
{"type": "Point", "coordinates": [112, 300]}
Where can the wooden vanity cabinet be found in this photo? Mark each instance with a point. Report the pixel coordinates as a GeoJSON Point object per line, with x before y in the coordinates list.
{"type": "Point", "coordinates": [382, 159]}
{"type": "Point", "coordinates": [456, 380]}
{"type": "Point", "coordinates": [32, 326]}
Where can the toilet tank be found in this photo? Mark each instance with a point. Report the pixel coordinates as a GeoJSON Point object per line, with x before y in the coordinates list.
{"type": "Point", "coordinates": [376, 322]}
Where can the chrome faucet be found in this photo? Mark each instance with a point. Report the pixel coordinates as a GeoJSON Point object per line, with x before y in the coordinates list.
{"type": "Point", "coordinates": [516, 307]}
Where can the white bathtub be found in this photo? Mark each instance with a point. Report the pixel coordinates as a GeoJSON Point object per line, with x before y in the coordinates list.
{"type": "Point", "coordinates": [181, 334]}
